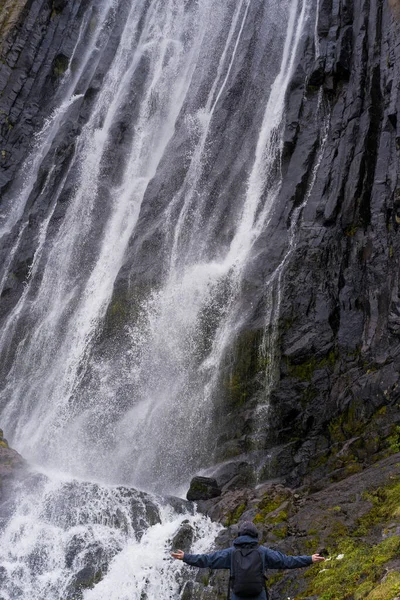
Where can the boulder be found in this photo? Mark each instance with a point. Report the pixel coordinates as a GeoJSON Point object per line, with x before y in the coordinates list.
{"type": "Point", "coordinates": [183, 538]}
{"type": "Point", "coordinates": [203, 488]}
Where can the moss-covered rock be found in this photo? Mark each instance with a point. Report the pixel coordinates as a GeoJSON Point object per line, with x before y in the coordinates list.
{"type": "Point", "coordinates": [60, 65]}
{"type": "Point", "coordinates": [203, 488]}
{"type": "Point", "coordinates": [243, 368]}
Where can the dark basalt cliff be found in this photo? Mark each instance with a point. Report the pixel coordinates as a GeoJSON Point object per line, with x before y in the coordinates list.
{"type": "Point", "coordinates": [335, 399]}
{"type": "Point", "coordinates": [37, 40]}
{"type": "Point", "coordinates": [335, 365]}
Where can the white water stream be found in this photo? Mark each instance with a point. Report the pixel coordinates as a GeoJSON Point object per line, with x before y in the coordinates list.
{"type": "Point", "coordinates": [172, 55]}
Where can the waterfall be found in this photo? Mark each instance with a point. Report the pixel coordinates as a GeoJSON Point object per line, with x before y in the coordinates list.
{"type": "Point", "coordinates": [64, 532]}
{"type": "Point", "coordinates": [143, 172]}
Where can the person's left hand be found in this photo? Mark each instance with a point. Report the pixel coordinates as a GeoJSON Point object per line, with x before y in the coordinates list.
{"type": "Point", "coordinates": [179, 554]}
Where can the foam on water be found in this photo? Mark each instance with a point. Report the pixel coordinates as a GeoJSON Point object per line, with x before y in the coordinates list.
{"type": "Point", "coordinates": [46, 547]}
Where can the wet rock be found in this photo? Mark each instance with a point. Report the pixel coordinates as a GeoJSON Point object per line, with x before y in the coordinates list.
{"type": "Point", "coordinates": [203, 488]}
{"type": "Point", "coordinates": [233, 474]}
{"type": "Point", "coordinates": [317, 75]}
{"type": "Point", "coordinates": [179, 505]}
{"type": "Point", "coordinates": [183, 538]}
{"type": "Point", "coordinates": [84, 579]}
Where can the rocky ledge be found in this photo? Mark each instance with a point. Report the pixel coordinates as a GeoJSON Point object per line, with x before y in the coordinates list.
{"type": "Point", "coordinates": [355, 522]}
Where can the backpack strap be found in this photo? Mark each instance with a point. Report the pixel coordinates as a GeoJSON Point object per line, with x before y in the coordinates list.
{"type": "Point", "coordinates": [230, 576]}
{"type": "Point", "coordinates": [229, 589]}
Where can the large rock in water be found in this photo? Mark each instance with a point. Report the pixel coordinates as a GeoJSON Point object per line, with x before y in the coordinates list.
{"type": "Point", "coordinates": [183, 538]}
{"type": "Point", "coordinates": [203, 488]}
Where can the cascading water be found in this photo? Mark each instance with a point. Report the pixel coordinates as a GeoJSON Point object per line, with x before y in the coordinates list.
{"type": "Point", "coordinates": [137, 411]}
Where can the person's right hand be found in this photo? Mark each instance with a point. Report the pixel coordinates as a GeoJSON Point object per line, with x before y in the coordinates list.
{"type": "Point", "coordinates": [317, 558]}
{"type": "Point", "coordinates": [179, 554]}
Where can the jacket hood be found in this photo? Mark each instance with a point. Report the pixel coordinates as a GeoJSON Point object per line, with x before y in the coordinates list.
{"type": "Point", "coordinates": [248, 528]}
{"type": "Point", "coordinates": [245, 540]}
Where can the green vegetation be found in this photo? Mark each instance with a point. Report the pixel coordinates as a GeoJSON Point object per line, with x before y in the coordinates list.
{"type": "Point", "coordinates": [357, 569]}
{"type": "Point", "coordinates": [305, 370]}
{"type": "Point", "coordinates": [234, 516]}
{"type": "Point", "coordinates": [385, 507]}
{"type": "Point", "coordinates": [394, 440]}
{"type": "Point", "coordinates": [10, 13]}
{"type": "Point", "coordinates": [60, 65]}
{"type": "Point", "coordinates": [280, 532]}
{"type": "Point", "coordinates": [268, 505]}
{"type": "Point", "coordinates": [350, 230]}
{"type": "Point", "coordinates": [7, 122]}
{"type": "Point", "coordinates": [55, 10]}
{"type": "Point", "coordinates": [357, 574]}
{"type": "Point", "coordinates": [244, 362]}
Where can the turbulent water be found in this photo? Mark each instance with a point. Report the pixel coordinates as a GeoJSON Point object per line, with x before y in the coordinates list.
{"type": "Point", "coordinates": [136, 411]}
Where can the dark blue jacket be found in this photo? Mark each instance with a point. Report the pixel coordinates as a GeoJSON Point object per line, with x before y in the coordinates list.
{"type": "Point", "coordinates": [222, 559]}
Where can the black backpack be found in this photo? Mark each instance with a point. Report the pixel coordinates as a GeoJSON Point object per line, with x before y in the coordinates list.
{"type": "Point", "coordinates": [247, 573]}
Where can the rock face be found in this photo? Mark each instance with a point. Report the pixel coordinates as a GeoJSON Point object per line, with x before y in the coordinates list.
{"type": "Point", "coordinates": [38, 37]}
{"type": "Point", "coordinates": [332, 386]}
{"type": "Point", "coordinates": [336, 364]}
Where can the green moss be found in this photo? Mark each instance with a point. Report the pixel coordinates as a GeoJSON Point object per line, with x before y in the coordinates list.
{"type": "Point", "coordinates": [349, 424]}
{"type": "Point", "coordinates": [280, 532]}
{"type": "Point", "coordinates": [338, 531]}
{"type": "Point", "coordinates": [6, 119]}
{"type": "Point", "coordinates": [281, 517]}
{"type": "Point", "coordinates": [360, 574]}
{"type": "Point", "coordinates": [385, 507]}
{"type": "Point", "coordinates": [243, 362]}
{"type": "Point", "coordinates": [126, 306]}
{"type": "Point", "coordinates": [311, 543]}
{"type": "Point", "coordinates": [394, 440]}
{"type": "Point", "coordinates": [350, 230]}
{"type": "Point", "coordinates": [318, 461]}
{"type": "Point", "coordinates": [362, 564]}
{"type": "Point", "coordinates": [234, 386]}
{"type": "Point", "coordinates": [389, 588]}
{"type": "Point", "coordinates": [352, 468]}
{"type": "Point", "coordinates": [234, 516]}
{"type": "Point", "coordinates": [269, 504]}
{"type": "Point", "coordinates": [60, 65]}
{"type": "Point", "coordinates": [275, 578]}
{"type": "Point", "coordinates": [305, 370]}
